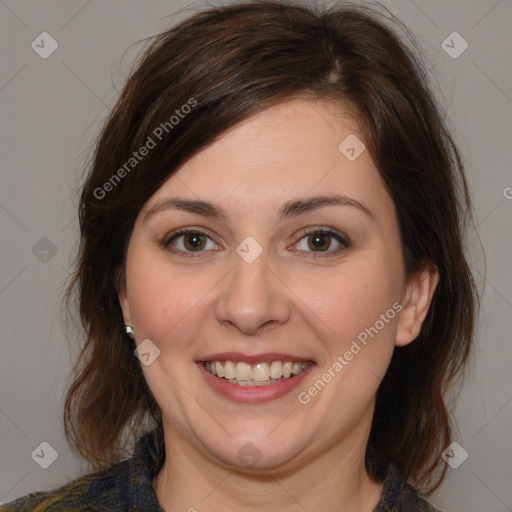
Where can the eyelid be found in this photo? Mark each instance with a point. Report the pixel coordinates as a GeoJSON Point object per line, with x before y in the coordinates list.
{"type": "Point", "coordinates": [183, 231]}
{"type": "Point", "coordinates": [325, 230]}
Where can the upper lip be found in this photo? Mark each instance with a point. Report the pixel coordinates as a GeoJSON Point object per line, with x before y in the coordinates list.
{"type": "Point", "coordinates": [267, 357]}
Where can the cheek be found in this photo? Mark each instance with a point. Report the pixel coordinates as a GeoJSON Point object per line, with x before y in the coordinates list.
{"type": "Point", "coordinates": [350, 301]}
{"type": "Point", "coordinates": [164, 304]}
{"type": "Point", "coordinates": [361, 313]}
{"type": "Point", "coordinates": [355, 310]}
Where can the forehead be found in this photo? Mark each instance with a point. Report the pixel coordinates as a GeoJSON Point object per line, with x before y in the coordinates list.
{"type": "Point", "coordinates": [287, 151]}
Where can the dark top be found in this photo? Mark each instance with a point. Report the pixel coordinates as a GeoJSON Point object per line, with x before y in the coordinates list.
{"type": "Point", "coordinates": [127, 486]}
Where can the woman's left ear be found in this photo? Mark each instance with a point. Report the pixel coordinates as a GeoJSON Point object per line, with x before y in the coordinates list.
{"type": "Point", "coordinates": [415, 304]}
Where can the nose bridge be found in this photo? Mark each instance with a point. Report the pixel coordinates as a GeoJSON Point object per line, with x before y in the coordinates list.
{"type": "Point", "coordinates": [252, 296]}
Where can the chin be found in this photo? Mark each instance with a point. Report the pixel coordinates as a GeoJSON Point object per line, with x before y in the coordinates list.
{"type": "Point", "coordinates": [254, 453]}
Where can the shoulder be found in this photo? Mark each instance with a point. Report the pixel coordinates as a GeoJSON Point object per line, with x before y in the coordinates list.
{"type": "Point", "coordinates": [411, 500]}
{"type": "Point", "coordinates": [400, 496]}
{"type": "Point", "coordinates": [99, 491]}
{"type": "Point", "coordinates": [123, 487]}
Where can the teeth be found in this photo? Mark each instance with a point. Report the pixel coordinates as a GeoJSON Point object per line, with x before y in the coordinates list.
{"type": "Point", "coordinates": [296, 368]}
{"type": "Point", "coordinates": [243, 371]}
{"type": "Point", "coordinates": [276, 370]}
{"type": "Point", "coordinates": [259, 374]}
{"type": "Point", "coordinates": [229, 369]}
{"type": "Point", "coordinates": [219, 370]}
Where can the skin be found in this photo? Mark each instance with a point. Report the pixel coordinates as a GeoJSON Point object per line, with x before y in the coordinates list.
{"type": "Point", "coordinates": [312, 456]}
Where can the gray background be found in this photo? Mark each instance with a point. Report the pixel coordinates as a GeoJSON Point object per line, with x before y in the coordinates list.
{"type": "Point", "coordinates": [52, 108]}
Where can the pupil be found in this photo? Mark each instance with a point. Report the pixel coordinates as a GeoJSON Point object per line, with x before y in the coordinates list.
{"type": "Point", "coordinates": [194, 240]}
{"type": "Point", "coordinates": [317, 241]}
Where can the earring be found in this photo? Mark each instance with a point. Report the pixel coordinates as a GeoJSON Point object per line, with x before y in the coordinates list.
{"type": "Point", "coordinates": [129, 330]}
{"type": "Point", "coordinates": [412, 331]}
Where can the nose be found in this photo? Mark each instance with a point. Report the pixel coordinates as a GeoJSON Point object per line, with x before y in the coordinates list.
{"type": "Point", "coordinates": [252, 298]}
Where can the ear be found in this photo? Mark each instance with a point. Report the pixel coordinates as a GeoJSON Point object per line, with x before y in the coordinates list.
{"type": "Point", "coordinates": [415, 303]}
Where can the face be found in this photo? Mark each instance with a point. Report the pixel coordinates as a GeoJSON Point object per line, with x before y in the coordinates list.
{"type": "Point", "coordinates": [264, 278]}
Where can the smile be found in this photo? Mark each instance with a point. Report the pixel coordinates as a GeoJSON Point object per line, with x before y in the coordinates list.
{"type": "Point", "coordinates": [252, 378]}
{"type": "Point", "coordinates": [259, 374]}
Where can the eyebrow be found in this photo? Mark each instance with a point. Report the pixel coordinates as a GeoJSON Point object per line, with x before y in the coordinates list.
{"type": "Point", "coordinates": [292, 208]}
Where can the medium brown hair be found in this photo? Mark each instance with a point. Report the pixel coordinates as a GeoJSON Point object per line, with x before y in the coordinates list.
{"type": "Point", "coordinates": [234, 62]}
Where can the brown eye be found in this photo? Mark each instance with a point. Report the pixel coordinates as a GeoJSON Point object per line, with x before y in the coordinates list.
{"type": "Point", "coordinates": [320, 241]}
{"type": "Point", "coordinates": [188, 241]}
{"type": "Point", "coordinates": [193, 241]}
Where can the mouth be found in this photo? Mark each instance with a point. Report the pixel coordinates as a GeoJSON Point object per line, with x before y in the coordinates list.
{"type": "Point", "coordinates": [254, 378]}
{"type": "Point", "coordinates": [260, 374]}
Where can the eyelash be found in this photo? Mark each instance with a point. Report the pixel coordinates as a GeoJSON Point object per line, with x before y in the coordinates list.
{"type": "Point", "coordinates": [344, 242]}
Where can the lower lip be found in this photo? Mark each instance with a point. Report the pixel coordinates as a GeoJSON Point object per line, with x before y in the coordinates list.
{"type": "Point", "coordinates": [253, 393]}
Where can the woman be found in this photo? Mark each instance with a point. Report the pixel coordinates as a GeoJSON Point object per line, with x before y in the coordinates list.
{"type": "Point", "coordinates": [271, 275]}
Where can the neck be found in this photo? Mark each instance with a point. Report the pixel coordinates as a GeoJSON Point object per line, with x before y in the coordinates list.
{"type": "Point", "coordinates": [335, 480]}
